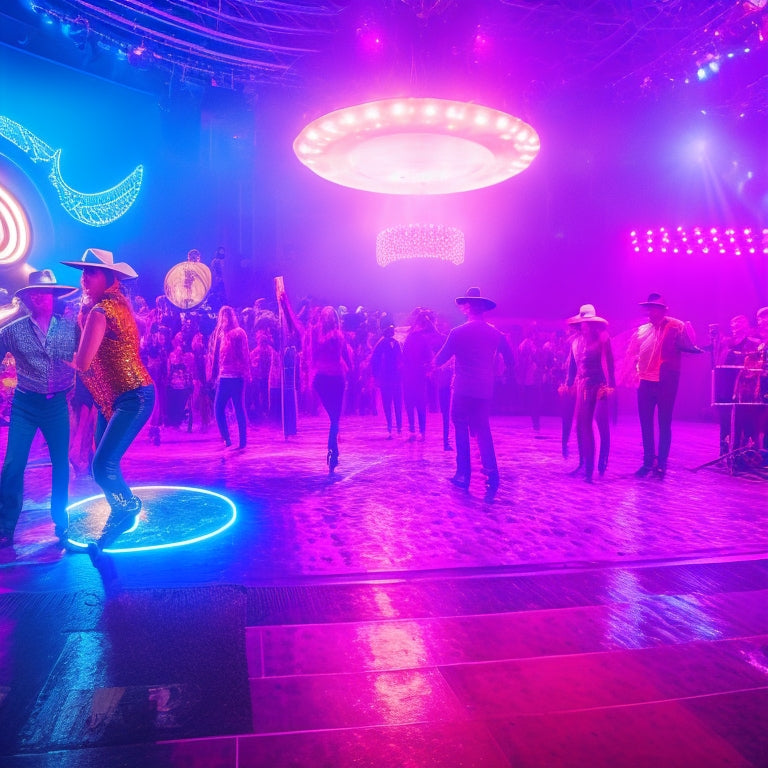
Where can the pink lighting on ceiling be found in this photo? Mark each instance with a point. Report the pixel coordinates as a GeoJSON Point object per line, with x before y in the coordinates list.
{"type": "Point", "coordinates": [701, 240]}
{"type": "Point", "coordinates": [14, 230]}
{"type": "Point", "coordinates": [417, 146]}
{"type": "Point", "coordinates": [419, 241]}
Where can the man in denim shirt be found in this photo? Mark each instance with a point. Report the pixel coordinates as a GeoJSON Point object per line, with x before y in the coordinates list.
{"type": "Point", "coordinates": [41, 343]}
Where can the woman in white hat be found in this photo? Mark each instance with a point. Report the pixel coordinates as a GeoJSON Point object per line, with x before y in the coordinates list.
{"type": "Point", "coordinates": [110, 366]}
{"type": "Point", "coordinates": [591, 367]}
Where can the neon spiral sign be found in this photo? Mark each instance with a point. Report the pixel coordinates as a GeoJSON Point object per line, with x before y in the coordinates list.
{"type": "Point", "coordinates": [14, 229]}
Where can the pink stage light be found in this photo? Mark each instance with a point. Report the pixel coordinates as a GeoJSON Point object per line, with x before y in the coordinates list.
{"type": "Point", "coordinates": [703, 241]}
{"type": "Point", "coordinates": [419, 241]}
{"type": "Point", "coordinates": [417, 146]}
{"type": "Point", "coordinates": [14, 230]}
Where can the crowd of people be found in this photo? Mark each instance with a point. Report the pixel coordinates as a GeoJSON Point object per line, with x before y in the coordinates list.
{"type": "Point", "coordinates": [92, 376]}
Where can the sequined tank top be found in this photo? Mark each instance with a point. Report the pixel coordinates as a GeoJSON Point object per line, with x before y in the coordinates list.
{"type": "Point", "coordinates": [117, 367]}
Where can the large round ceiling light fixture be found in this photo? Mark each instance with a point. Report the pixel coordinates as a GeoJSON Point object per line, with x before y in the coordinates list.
{"type": "Point", "coordinates": [419, 241]}
{"type": "Point", "coordinates": [417, 146]}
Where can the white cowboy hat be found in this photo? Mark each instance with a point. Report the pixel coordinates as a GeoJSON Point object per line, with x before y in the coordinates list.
{"type": "Point", "coordinates": [586, 314]}
{"type": "Point", "coordinates": [45, 280]}
{"type": "Point", "coordinates": [95, 257]}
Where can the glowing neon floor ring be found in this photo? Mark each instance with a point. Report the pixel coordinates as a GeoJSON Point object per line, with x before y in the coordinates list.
{"type": "Point", "coordinates": [417, 146]}
{"type": "Point", "coordinates": [228, 504]}
{"type": "Point", "coordinates": [14, 229]}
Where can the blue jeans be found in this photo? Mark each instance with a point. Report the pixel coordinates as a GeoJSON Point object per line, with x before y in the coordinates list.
{"type": "Point", "coordinates": [131, 412]}
{"type": "Point", "coordinates": [471, 414]}
{"type": "Point", "coordinates": [30, 412]}
{"type": "Point", "coordinates": [230, 389]}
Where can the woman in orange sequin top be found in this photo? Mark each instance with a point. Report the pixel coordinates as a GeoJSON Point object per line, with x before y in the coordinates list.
{"type": "Point", "coordinates": [109, 363]}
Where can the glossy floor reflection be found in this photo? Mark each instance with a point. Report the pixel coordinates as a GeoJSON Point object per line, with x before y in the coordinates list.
{"type": "Point", "coordinates": [382, 618]}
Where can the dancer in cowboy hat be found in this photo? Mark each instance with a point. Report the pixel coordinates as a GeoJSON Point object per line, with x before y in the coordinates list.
{"type": "Point", "coordinates": [591, 368]}
{"type": "Point", "coordinates": [657, 348]}
{"type": "Point", "coordinates": [41, 343]}
{"type": "Point", "coordinates": [474, 346]}
{"type": "Point", "coordinates": [109, 362]}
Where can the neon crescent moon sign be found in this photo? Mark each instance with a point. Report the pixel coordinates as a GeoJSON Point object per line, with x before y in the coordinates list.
{"type": "Point", "coordinates": [417, 146]}
{"type": "Point", "coordinates": [96, 209]}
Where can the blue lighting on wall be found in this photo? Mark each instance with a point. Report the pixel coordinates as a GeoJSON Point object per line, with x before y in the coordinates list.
{"type": "Point", "coordinates": [94, 209]}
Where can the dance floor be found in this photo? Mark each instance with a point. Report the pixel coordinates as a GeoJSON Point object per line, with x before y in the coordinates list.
{"type": "Point", "coordinates": [265, 614]}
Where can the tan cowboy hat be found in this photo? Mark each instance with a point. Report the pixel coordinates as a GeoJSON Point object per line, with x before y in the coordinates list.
{"type": "Point", "coordinates": [45, 280]}
{"type": "Point", "coordinates": [95, 257]}
{"type": "Point", "coordinates": [473, 296]}
{"type": "Point", "coordinates": [586, 314]}
{"type": "Point", "coordinates": [654, 300]}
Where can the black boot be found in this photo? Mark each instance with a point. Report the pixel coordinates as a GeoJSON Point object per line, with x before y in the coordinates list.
{"type": "Point", "coordinates": [460, 482]}
{"type": "Point", "coordinates": [118, 522]}
{"type": "Point", "coordinates": [491, 486]}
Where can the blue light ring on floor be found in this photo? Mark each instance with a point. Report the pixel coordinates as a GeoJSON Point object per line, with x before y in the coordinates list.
{"type": "Point", "coordinates": [170, 545]}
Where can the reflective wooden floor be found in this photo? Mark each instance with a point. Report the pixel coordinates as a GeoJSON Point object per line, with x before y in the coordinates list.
{"type": "Point", "coordinates": [384, 618]}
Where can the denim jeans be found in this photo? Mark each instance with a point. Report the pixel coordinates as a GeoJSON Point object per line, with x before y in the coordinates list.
{"type": "Point", "coordinates": [30, 412]}
{"type": "Point", "coordinates": [472, 414]}
{"type": "Point", "coordinates": [230, 389]}
{"type": "Point", "coordinates": [131, 412]}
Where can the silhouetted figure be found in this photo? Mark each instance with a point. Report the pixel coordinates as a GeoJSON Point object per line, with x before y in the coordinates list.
{"type": "Point", "coordinates": [591, 370]}
{"type": "Point", "coordinates": [330, 363]}
{"type": "Point", "coordinates": [657, 348]}
{"type": "Point", "coordinates": [417, 362]}
{"type": "Point", "coordinates": [474, 346]}
{"type": "Point", "coordinates": [387, 365]}
{"type": "Point", "coordinates": [230, 368]}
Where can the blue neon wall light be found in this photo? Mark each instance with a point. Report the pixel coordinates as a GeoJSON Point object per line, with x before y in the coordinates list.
{"type": "Point", "coordinates": [95, 209]}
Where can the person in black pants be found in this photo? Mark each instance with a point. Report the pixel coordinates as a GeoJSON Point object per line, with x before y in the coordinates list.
{"type": "Point", "coordinates": [474, 346]}
{"type": "Point", "coordinates": [657, 348]}
{"type": "Point", "coordinates": [387, 366]}
{"type": "Point", "coordinates": [230, 369]}
{"type": "Point", "coordinates": [331, 361]}
{"type": "Point", "coordinates": [591, 370]}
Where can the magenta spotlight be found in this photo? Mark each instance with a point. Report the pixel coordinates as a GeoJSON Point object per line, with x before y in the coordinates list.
{"type": "Point", "coordinates": [417, 146]}
{"type": "Point", "coordinates": [419, 241]}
